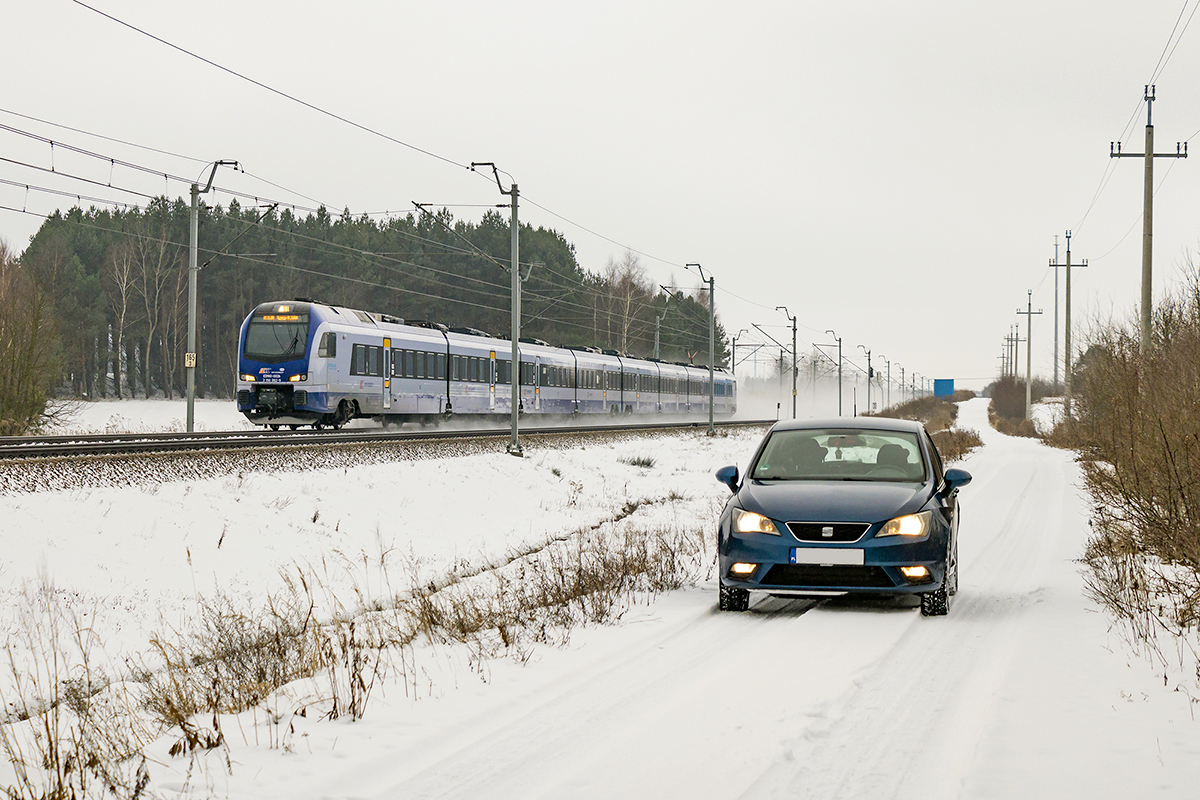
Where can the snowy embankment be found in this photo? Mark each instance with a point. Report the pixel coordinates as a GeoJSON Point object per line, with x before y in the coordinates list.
{"type": "Point", "coordinates": [1021, 691]}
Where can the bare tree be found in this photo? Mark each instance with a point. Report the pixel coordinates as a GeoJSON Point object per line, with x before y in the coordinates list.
{"type": "Point", "coordinates": [120, 272]}
{"type": "Point", "coordinates": [629, 290]}
{"type": "Point", "coordinates": [27, 348]}
{"type": "Point", "coordinates": [157, 258]}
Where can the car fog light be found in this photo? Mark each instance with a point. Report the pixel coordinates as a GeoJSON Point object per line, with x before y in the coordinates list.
{"type": "Point", "coordinates": [742, 568]}
{"type": "Point", "coordinates": [915, 573]}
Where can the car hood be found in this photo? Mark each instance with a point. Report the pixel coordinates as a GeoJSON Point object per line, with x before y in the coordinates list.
{"type": "Point", "coordinates": [832, 501]}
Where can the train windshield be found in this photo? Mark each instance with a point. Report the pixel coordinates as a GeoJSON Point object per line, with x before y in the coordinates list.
{"type": "Point", "coordinates": [276, 337]}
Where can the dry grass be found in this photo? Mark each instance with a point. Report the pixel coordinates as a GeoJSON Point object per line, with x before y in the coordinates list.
{"type": "Point", "coordinates": [238, 659]}
{"type": "Point", "coordinates": [1138, 433]}
{"type": "Point", "coordinates": [70, 729]}
{"type": "Point", "coordinates": [935, 413]}
{"type": "Point", "coordinates": [956, 443]}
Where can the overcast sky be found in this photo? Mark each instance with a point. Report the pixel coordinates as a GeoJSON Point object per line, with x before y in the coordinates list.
{"type": "Point", "coordinates": [895, 171]}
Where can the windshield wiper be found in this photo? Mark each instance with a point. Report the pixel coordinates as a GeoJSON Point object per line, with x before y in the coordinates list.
{"type": "Point", "coordinates": [291, 347]}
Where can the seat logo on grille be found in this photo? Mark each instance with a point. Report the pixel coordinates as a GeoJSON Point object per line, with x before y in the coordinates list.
{"type": "Point", "coordinates": [827, 531]}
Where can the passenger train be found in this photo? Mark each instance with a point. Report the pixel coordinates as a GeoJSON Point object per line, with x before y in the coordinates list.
{"type": "Point", "coordinates": [308, 363]}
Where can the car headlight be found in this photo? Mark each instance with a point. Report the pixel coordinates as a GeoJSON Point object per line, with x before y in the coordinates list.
{"type": "Point", "coordinates": [750, 522]}
{"type": "Point", "coordinates": [908, 525]}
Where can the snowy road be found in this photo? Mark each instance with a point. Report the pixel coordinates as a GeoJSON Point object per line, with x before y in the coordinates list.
{"type": "Point", "coordinates": [1020, 692]}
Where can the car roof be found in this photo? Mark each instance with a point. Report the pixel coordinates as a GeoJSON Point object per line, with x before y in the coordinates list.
{"type": "Point", "coordinates": [860, 423]}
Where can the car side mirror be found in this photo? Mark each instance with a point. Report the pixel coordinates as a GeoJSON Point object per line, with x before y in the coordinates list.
{"type": "Point", "coordinates": [729, 477]}
{"type": "Point", "coordinates": [956, 478]}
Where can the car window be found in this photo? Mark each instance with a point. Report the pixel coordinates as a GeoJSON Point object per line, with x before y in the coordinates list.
{"type": "Point", "coordinates": [935, 457]}
{"type": "Point", "coordinates": [840, 454]}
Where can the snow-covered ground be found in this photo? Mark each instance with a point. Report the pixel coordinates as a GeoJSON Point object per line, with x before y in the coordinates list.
{"type": "Point", "coordinates": [149, 416]}
{"type": "Point", "coordinates": [1022, 691]}
{"type": "Point", "coordinates": [1047, 413]}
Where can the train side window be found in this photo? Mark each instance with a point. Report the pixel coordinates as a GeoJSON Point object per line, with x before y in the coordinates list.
{"type": "Point", "coordinates": [328, 345]}
{"type": "Point", "coordinates": [441, 366]}
{"type": "Point", "coordinates": [454, 368]}
{"type": "Point", "coordinates": [419, 369]}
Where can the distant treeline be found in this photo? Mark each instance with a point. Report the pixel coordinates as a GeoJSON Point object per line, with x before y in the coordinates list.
{"type": "Point", "coordinates": [114, 288]}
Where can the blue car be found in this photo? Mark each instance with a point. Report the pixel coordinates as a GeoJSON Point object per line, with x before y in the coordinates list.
{"type": "Point", "coordinates": [830, 507]}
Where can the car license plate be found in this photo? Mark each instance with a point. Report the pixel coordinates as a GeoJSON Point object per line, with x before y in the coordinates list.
{"type": "Point", "coordinates": [827, 555]}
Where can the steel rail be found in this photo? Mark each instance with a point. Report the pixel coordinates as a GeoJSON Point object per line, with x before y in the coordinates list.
{"type": "Point", "coordinates": [104, 444]}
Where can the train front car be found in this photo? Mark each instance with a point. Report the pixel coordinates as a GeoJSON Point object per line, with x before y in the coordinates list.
{"type": "Point", "coordinates": [277, 384]}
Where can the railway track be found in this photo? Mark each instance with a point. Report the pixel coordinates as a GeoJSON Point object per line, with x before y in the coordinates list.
{"type": "Point", "coordinates": [26, 447]}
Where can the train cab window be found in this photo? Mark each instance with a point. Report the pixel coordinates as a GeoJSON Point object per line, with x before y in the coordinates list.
{"type": "Point", "coordinates": [328, 346]}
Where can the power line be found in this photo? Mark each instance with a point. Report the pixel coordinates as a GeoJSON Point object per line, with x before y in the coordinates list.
{"type": "Point", "coordinates": [272, 89]}
{"type": "Point", "coordinates": [102, 136]}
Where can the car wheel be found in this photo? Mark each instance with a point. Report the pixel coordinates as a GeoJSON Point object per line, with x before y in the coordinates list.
{"type": "Point", "coordinates": [733, 599]}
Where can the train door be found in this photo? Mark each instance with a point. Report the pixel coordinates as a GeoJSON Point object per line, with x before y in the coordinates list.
{"type": "Point", "coordinates": [537, 383]}
{"type": "Point", "coordinates": [387, 373]}
{"type": "Point", "coordinates": [492, 382]}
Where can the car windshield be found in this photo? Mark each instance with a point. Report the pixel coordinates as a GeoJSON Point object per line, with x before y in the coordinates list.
{"type": "Point", "coordinates": [840, 454]}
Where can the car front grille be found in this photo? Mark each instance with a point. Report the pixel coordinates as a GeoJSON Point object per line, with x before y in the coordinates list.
{"type": "Point", "coordinates": [828, 531]}
{"type": "Point", "coordinates": [819, 576]}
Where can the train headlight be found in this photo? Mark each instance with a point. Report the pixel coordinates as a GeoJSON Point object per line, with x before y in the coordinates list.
{"type": "Point", "coordinates": [248, 378]}
{"type": "Point", "coordinates": [303, 376]}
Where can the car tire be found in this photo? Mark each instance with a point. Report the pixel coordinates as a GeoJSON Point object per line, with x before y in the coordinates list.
{"type": "Point", "coordinates": [733, 599]}
{"type": "Point", "coordinates": [935, 603]}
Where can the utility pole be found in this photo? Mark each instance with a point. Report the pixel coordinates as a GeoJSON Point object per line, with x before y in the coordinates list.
{"type": "Point", "coordinates": [733, 352]}
{"type": "Point", "coordinates": [189, 358]}
{"type": "Point", "coordinates": [1015, 340]}
{"type": "Point", "coordinates": [902, 384]}
{"type": "Point", "coordinates": [1029, 313]}
{"type": "Point", "coordinates": [782, 350]}
{"type": "Point", "coordinates": [870, 374]}
{"type": "Point", "coordinates": [1054, 265]}
{"type": "Point", "coordinates": [795, 359]}
{"type": "Point", "coordinates": [514, 444]}
{"type": "Point", "coordinates": [888, 399]}
{"type": "Point", "coordinates": [839, 344]}
{"type": "Point", "coordinates": [1147, 206]}
{"type": "Point", "coordinates": [712, 342]}
{"type": "Point", "coordinates": [1067, 332]}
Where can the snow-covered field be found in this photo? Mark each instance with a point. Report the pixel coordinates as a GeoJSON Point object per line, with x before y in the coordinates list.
{"type": "Point", "coordinates": [1022, 691]}
{"type": "Point", "coordinates": [149, 416]}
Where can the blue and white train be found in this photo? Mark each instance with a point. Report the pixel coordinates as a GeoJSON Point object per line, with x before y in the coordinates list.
{"type": "Point", "coordinates": [308, 363]}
